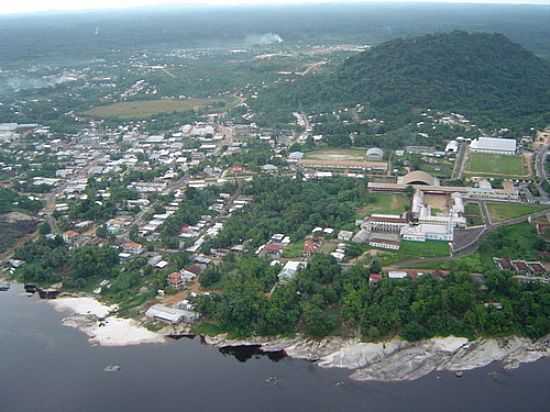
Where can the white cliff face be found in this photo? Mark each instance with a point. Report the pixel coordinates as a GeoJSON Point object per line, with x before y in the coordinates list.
{"type": "Point", "coordinates": [397, 360]}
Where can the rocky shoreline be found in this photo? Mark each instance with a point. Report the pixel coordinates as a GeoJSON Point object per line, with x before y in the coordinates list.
{"type": "Point", "coordinates": [393, 360]}
{"type": "Point", "coordinates": [398, 360]}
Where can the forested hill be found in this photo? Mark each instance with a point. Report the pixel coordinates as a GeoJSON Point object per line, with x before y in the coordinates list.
{"type": "Point", "coordinates": [492, 80]}
{"type": "Point", "coordinates": [476, 74]}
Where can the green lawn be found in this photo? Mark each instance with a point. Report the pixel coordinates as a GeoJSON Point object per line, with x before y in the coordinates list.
{"type": "Point", "coordinates": [441, 168]}
{"type": "Point", "coordinates": [294, 250]}
{"type": "Point", "coordinates": [413, 250]}
{"type": "Point", "coordinates": [505, 211]}
{"type": "Point", "coordinates": [388, 203]}
{"type": "Point", "coordinates": [483, 164]}
{"type": "Point", "coordinates": [147, 108]}
{"type": "Point", "coordinates": [472, 212]}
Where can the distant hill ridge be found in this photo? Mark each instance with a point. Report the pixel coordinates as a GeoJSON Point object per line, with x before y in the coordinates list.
{"type": "Point", "coordinates": [475, 73]}
{"type": "Point", "coordinates": [487, 77]}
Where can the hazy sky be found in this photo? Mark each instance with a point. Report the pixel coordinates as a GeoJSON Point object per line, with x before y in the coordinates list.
{"type": "Point", "coordinates": [26, 6]}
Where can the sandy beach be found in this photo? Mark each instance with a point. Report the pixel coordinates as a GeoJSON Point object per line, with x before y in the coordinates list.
{"type": "Point", "coordinates": [84, 313]}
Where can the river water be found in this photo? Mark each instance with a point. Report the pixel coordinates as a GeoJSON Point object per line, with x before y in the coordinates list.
{"type": "Point", "coordinates": [47, 367]}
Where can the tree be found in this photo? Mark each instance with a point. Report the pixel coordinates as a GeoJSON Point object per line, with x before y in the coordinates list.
{"type": "Point", "coordinates": [44, 228]}
{"type": "Point", "coordinates": [102, 232]}
{"type": "Point", "coordinates": [210, 277]}
{"type": "Point", "coordinates": [93, 261]}
{"type": "Point", "coordinates": [318, 322]}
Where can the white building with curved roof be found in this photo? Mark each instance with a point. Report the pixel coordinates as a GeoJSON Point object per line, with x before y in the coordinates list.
{"type": "Point", "coordinates": [375, 154]}
{"type": "Point", "coordinates": [494, 145]}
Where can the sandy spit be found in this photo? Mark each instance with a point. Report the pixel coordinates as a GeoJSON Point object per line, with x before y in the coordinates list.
{"type": "Point", "coordinates": [92, 318]}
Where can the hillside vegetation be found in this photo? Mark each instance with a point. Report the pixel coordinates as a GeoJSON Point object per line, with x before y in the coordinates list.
{"type": "Point", "coordinates": [490, 79]}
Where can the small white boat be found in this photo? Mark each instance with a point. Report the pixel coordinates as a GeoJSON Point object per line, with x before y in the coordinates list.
{"type": "Point", "coordinates": [112, 368]}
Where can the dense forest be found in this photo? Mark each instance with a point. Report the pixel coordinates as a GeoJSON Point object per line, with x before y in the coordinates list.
{"type": "Point", "coordinates": [324, 300]}
{"type": "Point", "coordinates": [12, 201]}
{"type": "Point", "coordinates": [493, 81]}
{"type": "Point", "coordinates": [295, 208]}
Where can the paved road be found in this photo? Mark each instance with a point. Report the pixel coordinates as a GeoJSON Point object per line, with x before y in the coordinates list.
{"type": "Point", "coordinates": [458, 170]}
{"type": "Point", "coordinates": [540, 169]}
{"type": "Point", "coordinates": [491, 226]}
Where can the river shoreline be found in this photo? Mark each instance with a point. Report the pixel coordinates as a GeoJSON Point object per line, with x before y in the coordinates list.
{"type": "Point", "coordinates": [398, 360]}
{"type": "Point", "coordinates": [95, 320]}
{"type": "Point", "coordinates": [393, 360]}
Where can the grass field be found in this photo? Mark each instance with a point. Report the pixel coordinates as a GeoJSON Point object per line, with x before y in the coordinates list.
{"type": "Point", "coordinates": [472, 212]}
{"type": "Point", "coordinates": [483, 164]}
{"type": "Point", "coordinates": [442, 168]}
{"type": "Point", "coordinates": [294, 250]}
{"type": "Point", "coordinates": [389, 203]}
{"type": "Point", "coordinates": [415, 250]}
{"type": "Point", "coordinates": [147, 108]}
{"type": "Point", "coordinates": [505, 211]}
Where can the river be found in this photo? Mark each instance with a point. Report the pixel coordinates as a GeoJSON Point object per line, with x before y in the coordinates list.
{"type": "Point", "coordinates": [47, 367]}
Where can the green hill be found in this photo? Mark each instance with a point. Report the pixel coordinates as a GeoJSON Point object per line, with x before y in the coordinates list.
{"type": "Point", "coordinates": [490, 79]}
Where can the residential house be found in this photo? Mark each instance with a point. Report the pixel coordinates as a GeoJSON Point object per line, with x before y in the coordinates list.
{"type": "Point", "coordinates": [175, 280]}
{"type": "Point", "coordinates": [133, 248]}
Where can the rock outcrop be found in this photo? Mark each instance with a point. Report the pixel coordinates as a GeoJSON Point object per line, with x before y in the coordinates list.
{"type": "Point", "coordinates": [398, 360]}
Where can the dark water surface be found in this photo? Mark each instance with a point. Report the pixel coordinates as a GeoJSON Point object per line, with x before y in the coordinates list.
{"type": "Point", "coordinates": [47, 367]}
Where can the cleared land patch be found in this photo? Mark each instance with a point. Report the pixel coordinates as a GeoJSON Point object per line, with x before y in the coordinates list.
{"type": "Point", "coordinates": [149, 108]}
{"type": "Point", "coordinates": [337, 154]}
{"type": "Point", "coordinates": [389, 203]}
{"type": "Point", "coordinates": [415, 250]}
{"type": "Point", "coordinates": [473, 215]}
{"type": "Point", "coordinates": [484, 164]}
{"type": "Point", "coordinates": [505, 211]}
{"type": "Point", "coordinates": [341, 159]}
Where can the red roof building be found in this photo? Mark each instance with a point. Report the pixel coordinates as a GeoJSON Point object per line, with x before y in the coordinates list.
{"type": "Point", "coordinates": [310, 247]}
{"type": "Point", "coordinates": [374, 278]}
{"type": "Point", "coordinates": [273, 249]}
{"type": "Point", "coordinates": [175, 281]}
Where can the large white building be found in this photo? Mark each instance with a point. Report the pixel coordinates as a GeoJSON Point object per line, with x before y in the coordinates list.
{"type": "Point", "coordinates": [494, 145]}
{"type": "Point", "coordinates": [427, 231]}
{"type": "Point", "coordinates": [423, 212]}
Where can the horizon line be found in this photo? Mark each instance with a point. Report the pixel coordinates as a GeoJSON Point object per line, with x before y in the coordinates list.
{"type": "Point", "coordinates": [286, 3]}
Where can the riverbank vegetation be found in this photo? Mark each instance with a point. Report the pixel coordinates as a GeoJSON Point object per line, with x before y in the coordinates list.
{"type": "Point", "coordinates": [324, 300]}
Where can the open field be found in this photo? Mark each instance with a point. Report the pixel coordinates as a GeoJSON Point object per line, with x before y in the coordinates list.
{"type": "Point", "coordinates": [148, 108]}
{"type": "Point", "coordinates": [294, 250]}
{"type": "Point", "coordinates": [484, 164]}
{"type": "Point", "coordinates": [438, 167]}
{"type": "Point", "coordinates": [337, 154]}
{"type": "Point", "coordinates": [505, 211]}
{"type": "Point", "coordinates": [388, 203]}
{"type": "Point", "coordinates": [341, 159]}
{"type": "Point", "coordinates": [415, 250]}
{"type": "Point", "coordinates": [472, 212]}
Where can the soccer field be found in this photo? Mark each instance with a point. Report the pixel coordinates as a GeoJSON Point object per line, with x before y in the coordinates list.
{"type": "Point", "coordinates": [484, 164]}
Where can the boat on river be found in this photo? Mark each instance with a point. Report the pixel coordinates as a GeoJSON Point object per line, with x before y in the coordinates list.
{"type": "Point", "coordinates": [49, 293]}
